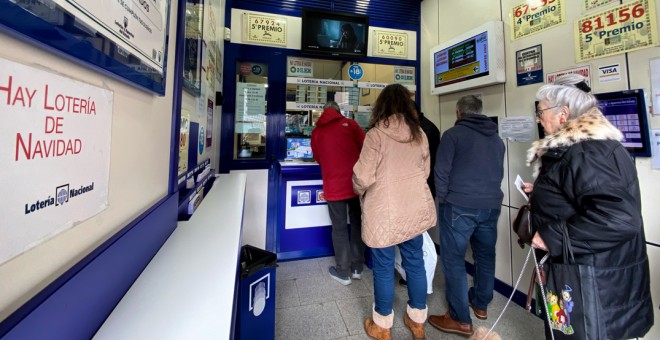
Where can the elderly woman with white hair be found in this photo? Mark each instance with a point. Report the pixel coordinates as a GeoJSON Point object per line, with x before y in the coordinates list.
{"type": "Point", "coordinates": [586, 186]}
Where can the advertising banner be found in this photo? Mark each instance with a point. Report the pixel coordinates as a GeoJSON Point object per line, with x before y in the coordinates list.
{"type": "Point", "coordinates": [529, 65]}
{"type": "Point", "coordinates": [391, 44]}
{"type": "Point", "coordinates": [265, 29]}
{"type": "Point", "coordinates": [137, 25]}
{"type": "Point", "coordinates": [54, 154]}
{"type": "Point", "coordinates": [631, 26]}
{"type": "Point", "coordinates": [532, 17]}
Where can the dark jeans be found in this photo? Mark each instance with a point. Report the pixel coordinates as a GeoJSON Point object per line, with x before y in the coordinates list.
{"type": "Point", "coordinates": [349, 248]}
{"type": "Point", "coordinates": [459, 225]}
{"type": "Point", "coordinates": [412, 259]}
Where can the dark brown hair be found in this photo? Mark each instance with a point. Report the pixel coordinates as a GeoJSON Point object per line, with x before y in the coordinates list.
{"type": "Point", "coordinates": [395, 100]}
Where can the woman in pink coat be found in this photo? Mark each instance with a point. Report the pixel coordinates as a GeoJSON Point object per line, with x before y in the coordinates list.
{"type": "Point", "coordinates": [397, 206]}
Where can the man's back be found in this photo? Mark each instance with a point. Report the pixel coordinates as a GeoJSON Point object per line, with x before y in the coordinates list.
{"type": "Point", "coordinates": [336, 145]}
{"type": "Point", "coordinates": [470, 164]}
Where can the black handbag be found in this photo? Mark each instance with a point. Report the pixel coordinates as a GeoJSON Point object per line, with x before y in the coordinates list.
{"type": "Point", "coordinates": [522, 225]}
{"type": "Point", "coordinates": [572, 299]}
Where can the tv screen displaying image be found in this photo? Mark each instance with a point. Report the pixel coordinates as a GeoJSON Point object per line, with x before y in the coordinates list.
{"type": "Point", "coordinates": [299, 148]}
{"type": "Point", "coordinates": [337, 34]}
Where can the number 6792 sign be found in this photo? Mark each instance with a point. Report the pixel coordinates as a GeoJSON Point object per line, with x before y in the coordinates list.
{"type": "Point", "coordinates": [620, 29]}
{"type": "Point", "coordinates": [535, 16]}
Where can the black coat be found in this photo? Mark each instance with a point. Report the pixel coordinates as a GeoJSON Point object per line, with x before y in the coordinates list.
{"type": "Point", "coordinates": [588, 183]}
{"type": "Point", "coordinates": [433, 135]}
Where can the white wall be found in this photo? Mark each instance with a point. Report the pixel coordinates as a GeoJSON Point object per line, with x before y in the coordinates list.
{"type": "Point", "coordinates": [139, 170]}
{"type": "Point", "coordinates": [443, 19]}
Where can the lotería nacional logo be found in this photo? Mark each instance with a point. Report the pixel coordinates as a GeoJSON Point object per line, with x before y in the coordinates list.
{"type": "Point", "coordinates": [62, 195]}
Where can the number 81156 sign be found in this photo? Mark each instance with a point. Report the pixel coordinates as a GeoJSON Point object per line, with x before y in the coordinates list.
{"type": "Point", "coordinates": [620, 29]}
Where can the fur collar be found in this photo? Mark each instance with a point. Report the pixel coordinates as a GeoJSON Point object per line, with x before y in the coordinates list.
{"type": "Point", "coordinates": [589, 126]}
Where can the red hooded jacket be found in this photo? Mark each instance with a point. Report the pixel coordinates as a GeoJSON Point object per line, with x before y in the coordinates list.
{"type": "Point", "coordinates": [336, 145]}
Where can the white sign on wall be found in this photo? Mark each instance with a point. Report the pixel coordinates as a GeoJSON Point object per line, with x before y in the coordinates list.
{"type": "Point", "coordinates": [584, 71]}
{"type": "Point", "coordinates": [139, 26]}
{"type": "Point", "coordinates": [299, 67]}
{"type": "Point", "coordinates": [54, 154]}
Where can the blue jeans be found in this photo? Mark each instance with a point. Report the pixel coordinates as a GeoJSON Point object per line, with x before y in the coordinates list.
{"type": "Point", "coordinates": [459, 225]}
{"type": "Point", "coordinates": [412, 258]}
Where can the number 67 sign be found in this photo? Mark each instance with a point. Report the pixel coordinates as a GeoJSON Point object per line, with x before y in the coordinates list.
{"type": "Point", "coordinates": [534, 16]}
{"type": "Point", "coordinates": [620, 29]}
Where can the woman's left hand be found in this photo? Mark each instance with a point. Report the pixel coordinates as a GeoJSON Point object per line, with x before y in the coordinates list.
{"type": "Point", "coordinates": [537, 242]}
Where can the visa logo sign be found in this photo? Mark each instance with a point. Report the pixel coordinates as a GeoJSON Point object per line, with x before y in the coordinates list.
{"type": "Point", "coordinates": [609, 73]}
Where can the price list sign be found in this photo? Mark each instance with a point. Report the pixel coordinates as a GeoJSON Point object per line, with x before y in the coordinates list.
{"type": "Point", "coordinates": [629, 27]}
{"type": "Point", "coordinates": [535, 16]}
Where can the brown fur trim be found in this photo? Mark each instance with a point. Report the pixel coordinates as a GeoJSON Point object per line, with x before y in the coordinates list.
{"type": "Point", "coordinates": [589, 126]}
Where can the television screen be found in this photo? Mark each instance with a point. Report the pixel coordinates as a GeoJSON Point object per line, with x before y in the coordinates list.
{"type": "Point", "coordinates": [627, 111]}
{"type": "Point", "coordinates": [472, 59]}
{"type": "Point", "coordinates": [337, 34]}
{"type": "Point", "coordinates": [299, 148]}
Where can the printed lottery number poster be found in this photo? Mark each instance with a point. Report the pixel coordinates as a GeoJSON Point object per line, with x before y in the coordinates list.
{"type": "Point", "coordinates": [54, 154]}
{"type": "Point", "coordinates": [620, 29]}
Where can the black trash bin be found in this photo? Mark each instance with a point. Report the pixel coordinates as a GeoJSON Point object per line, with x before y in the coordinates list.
{"type": "Point", "coordinates": [257, 294]}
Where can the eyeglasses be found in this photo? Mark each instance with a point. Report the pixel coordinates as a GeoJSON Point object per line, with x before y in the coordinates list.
{"type": "Point", "coordinates": [540, 112]}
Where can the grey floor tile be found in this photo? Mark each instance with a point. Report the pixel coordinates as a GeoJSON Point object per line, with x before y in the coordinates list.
{"type": "Point", "coordinates": [298, 269]}
{"type": "Point", "coordinates": [323, 288]}
{"type": "Point", "coordinates": [315, 321]}
{"type": "Point", "coordinates": [287, 294]}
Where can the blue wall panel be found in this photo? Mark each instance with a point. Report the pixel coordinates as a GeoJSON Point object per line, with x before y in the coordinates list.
{"type": "Point", "coordinates": [78, 302]}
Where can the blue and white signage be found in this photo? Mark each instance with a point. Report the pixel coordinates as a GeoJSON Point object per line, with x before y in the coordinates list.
{"type": "Point", "coordinates": [305, 205]}
{"type": "Point", "coordinates": [55, 144]}
{"type": "Point", "coordinates": [355, 72]}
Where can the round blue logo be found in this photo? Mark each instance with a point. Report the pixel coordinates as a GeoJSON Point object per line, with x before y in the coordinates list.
{"type": "Point", "coordinates": [256, 69]}
{"type": "Point", "coordinates": [355, 72]}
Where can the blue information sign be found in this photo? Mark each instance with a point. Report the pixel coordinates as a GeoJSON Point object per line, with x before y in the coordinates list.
{"type": "Point", "coordinates": [355, 72]}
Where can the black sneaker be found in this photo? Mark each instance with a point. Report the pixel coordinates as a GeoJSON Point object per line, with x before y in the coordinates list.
{"type": "Point", "coordinates": [341, 279]}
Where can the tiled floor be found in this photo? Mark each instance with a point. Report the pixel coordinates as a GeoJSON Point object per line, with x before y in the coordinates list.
{"type": "Point", "coordinates": [311, 305]}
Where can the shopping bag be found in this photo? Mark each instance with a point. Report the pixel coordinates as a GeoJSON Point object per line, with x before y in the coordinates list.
{"type": "Point", "coordinates": [430, 261]}
{"type": "Point", "coordinates": [572, 300]}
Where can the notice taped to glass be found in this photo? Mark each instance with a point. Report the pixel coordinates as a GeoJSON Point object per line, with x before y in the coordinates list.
{"type": "Point", "coordinates": [625, 28]}
{"type": "Point", "coordinates": [532, 17]}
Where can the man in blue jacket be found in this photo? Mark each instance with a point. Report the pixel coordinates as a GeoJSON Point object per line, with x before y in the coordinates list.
{"type": "Point", "coordinates": [468, 176]}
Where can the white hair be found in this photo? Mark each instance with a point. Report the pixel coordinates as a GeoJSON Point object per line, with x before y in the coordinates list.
{"type": "Point", "coordinates": [577, 101]}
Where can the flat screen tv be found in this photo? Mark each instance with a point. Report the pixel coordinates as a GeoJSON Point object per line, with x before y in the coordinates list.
{"type": "Point", "coordinates": [299, 148]}
{"type": "Point", "coordinates": [627, 111]}
{"type": "Point", "coordinates": [332, 33]}
{"type": "Point", "coordinates": [472, 59]}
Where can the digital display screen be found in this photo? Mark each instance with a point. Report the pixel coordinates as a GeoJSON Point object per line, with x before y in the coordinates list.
{"type": "Point", "coordinates": [465, 60]}
{"type": "Point", "coordinates": [627, 111]}
{"type": "Point", "coordinates": [334, 33]}
{"type": "Point", "coordinates": [299, 148]}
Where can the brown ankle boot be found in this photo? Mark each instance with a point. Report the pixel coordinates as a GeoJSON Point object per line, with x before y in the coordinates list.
{"type": "Point", "coordinates": [446, 324]}
{"type": "Point", "coordinates": [376, 332]}
{"type": "Point", "coordinates": [417, 329]}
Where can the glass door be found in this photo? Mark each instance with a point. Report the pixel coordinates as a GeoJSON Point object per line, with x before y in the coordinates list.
{"type": "Point", "coordinates": [250, 124]}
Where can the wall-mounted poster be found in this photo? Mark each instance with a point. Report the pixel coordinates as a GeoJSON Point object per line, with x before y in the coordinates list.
{"type": "Point", "coordinates": [265, 29]}
{"type": "Point", "coordinates": [584, 71]}
{"type": "Point", "coordinates": [532, 17]}
{"type": "Point", "coordinates": [54, 154]}
{"type": "Point", "coordinates": [529, 65]}
{"type": "Point", "coordinates": [631, 26]}
{"type": "Point", "coordinates": [192, 67]}
{"type": "Point", "coordinates": [591, 4]}
{"type": "Point", "coordinates": [184, 139]}
{"type": "Point", "coordinates": [125, 38]}
{"type": "Point", "coordinates": [391, 44]}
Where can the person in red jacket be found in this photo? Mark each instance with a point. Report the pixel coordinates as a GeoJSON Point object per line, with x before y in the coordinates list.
{"type": "Point", "coordinates": [336, 145]}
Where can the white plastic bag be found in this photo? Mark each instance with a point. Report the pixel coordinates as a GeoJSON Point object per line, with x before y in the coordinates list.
{"type": "Point", "coordinates": [430, 261]}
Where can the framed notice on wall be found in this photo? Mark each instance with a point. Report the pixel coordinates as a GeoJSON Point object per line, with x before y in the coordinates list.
{"type": "Point", "coordinates": [391, 44]}
{"type": "Point", "coordinates": [122, 38]}
{"type": "Point", "coordinates": [265, 29]}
